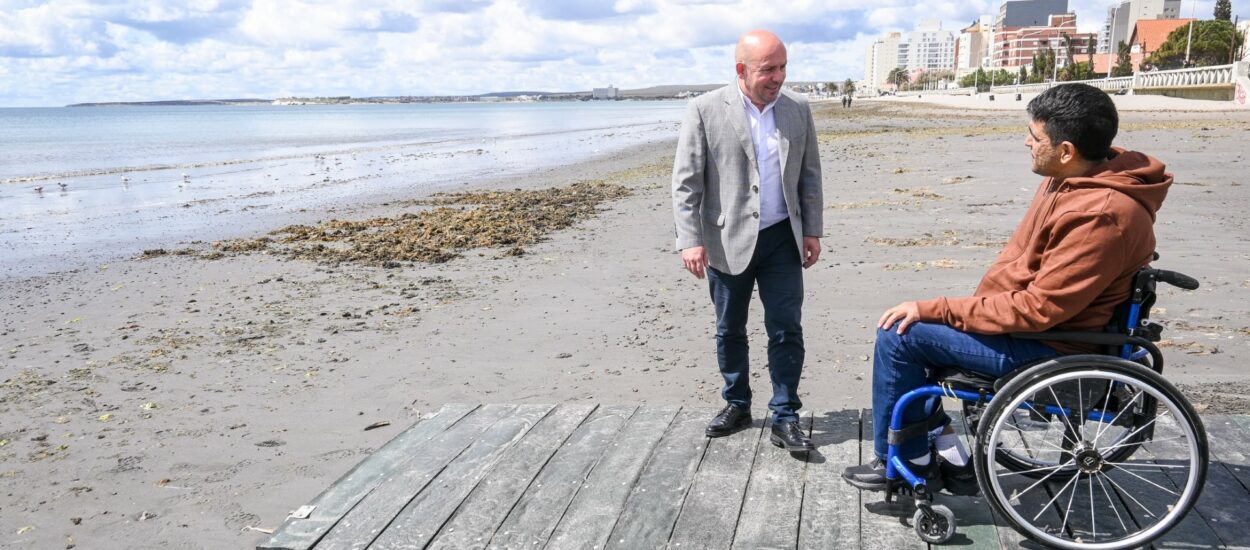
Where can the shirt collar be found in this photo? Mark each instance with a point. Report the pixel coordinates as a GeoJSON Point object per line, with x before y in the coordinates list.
{"type": "Point", "coordinates": [749, 105]}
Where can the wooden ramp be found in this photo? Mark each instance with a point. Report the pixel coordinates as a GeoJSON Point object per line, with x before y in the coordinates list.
{"type": "Point", "coordinates": [593, 477]}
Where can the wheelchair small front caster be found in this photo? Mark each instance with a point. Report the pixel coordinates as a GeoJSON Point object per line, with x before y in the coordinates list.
{"type": "Point", "coordinates": [934, 523]}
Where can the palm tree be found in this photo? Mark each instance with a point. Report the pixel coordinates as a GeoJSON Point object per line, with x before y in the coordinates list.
{"type": "Point", "coordinates": [898, 77]}
{"type": "Point", "coordinates": [848, 87]}
{"type": "Point", "coordinates": [831, 88]}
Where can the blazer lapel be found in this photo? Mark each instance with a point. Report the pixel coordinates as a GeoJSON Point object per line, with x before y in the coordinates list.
{"type": "Point", "coordinates": [736, 112]}
{"type": "Point", "coordinates": [782, 114]}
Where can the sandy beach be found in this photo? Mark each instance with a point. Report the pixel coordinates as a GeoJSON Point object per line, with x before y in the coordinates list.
{"type": "Point", "coordinates": [193, 397]}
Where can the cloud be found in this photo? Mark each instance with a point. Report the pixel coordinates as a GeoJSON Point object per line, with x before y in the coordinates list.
{"type": "Point", "coordinates": [65, 51]}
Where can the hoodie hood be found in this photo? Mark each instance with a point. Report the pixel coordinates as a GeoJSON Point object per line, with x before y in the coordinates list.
{"type": "Point", "coordinates": [1138, 175]}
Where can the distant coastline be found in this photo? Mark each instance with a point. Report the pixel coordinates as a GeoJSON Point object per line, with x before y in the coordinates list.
{"type": "Point", "coordinates": [677, 91]}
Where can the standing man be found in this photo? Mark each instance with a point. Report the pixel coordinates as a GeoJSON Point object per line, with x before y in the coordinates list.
{"type": "Point", "coordinates": [747, 203]}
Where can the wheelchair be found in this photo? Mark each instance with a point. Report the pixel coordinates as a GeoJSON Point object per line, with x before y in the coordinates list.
{"type": "Point", "coordinates": [1089, 452]}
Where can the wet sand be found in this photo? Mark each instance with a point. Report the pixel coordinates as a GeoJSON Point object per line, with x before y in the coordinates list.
{"type": "Point", "coordinates": [186, 400]}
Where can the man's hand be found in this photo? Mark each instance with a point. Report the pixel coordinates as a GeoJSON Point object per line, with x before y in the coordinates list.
{"type": "Point", "coordinates": [811, 251]}
{"type": "Point", "coordinates": [905, 313]}
{"type": "Point", "coordinates": [695, 260]}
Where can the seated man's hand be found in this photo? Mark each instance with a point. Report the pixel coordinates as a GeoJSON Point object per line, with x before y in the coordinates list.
{"type": "Point", "coordinates": [905, 314]}
{"type": "Point", "coordinates": [695, 260]}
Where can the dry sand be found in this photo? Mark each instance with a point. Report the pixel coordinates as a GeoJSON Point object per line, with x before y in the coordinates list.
{"type": "Point", "coordinates": [177, 401]}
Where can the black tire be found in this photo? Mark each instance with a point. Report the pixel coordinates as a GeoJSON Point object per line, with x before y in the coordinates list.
{"type": "Point", "coordinates": [935, 527]}
{"type": "Point", "coordinates": [1090, 463]}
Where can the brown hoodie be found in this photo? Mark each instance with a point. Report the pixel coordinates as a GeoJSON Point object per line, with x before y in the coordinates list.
{"type": "Point", "coordinates": [1072, 259]}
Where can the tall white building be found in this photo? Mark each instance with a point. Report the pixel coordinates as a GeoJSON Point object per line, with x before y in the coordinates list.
{"type": "Point", "coordinates": [882, 58]}
{"type": "Point", "coordinates": [972, 48]}
{"type": "Point", "coordinates": [1122, 18]}
{"type": "Point", "coordinates": [928, 47]}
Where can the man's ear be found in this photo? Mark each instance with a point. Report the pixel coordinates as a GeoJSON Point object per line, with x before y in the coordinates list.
{"type": "Point", "coordinates": [741, 68]}
{"type": "Point", "coordinates": [1068, 152]}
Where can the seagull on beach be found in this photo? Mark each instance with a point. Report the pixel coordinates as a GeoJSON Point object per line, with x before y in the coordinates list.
{"type": "Point", "coordinates": [64, 186]}
{"type": "Point", "coordinates": [39, 189]}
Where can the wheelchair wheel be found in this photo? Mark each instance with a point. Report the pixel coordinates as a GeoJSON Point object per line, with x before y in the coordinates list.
{"type": "Point", "coordinates": [1083, 490]}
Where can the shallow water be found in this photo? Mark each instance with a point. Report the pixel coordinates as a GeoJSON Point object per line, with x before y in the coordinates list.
{"type": "Point", "coordinates": [148, 177]}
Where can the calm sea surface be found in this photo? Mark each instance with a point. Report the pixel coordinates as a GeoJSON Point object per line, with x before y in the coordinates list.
{"type": "Point", "coordinates": [117, 180]}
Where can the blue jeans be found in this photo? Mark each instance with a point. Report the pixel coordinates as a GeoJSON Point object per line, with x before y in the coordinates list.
{"type": "Point", "coordinates": [899, 365]}
{"type": "Point", "coordinates": [778, 270]}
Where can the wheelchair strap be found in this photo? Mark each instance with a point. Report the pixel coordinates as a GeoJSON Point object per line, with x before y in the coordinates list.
{"type": "Point", "coordinates": [919, 429]}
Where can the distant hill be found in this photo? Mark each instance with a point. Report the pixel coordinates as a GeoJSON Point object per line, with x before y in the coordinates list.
{"type": "Point", "coordinates": [246, 101]}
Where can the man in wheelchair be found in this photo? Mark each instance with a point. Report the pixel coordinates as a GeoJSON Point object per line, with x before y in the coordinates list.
{"type": "Point", "coordinates": [1069, 264]}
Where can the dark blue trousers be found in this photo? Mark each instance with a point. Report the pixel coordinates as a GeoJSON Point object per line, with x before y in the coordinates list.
{"type": "Point", "coordinates": [902, 363]}
{"type": "Point", "coordinates": [777, 268]}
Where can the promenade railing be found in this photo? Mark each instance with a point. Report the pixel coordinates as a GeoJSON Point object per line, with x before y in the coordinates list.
{"type": "Point", "coordinates": [1222, 75]}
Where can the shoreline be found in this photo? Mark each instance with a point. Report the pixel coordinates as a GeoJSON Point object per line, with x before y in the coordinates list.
{"type": "Point", "coordinates": [181, 402]}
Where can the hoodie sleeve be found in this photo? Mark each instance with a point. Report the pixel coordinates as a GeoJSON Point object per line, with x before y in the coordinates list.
{"type": "Point", "coordinates": [1082, 258]}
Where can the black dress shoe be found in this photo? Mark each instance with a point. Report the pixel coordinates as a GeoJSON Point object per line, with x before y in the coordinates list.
{"type": "Point", "coordinates": [729, 420]}
{"type": "Point", "coordinates": [959, 480]}
{"type": "Point", "coordinates": [790, 436]}
{"type": "Point", "coordinates": [871, 476]}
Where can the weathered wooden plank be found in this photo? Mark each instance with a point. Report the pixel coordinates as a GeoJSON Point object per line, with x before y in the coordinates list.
{"type": "Point", "coordinates": [710, 514]}
{"type": "Point", "coordinates": [597, 506]}
{"type": "Point", "coordinates": [365, 522]}
{"type": "Point", "coordinates": [774, 498]}
{"type": "Point", "coordinates": [420, 520]}
{"type": "Point", "coordinates": [1222, 503]}
{"type": "Point", "coordinates": [539, 510]}
{"type": "Point", "coordinates": [830, 516]}
{"type": "Point", "coordinates": [1242, 419]}
{"type": "Point", "coordinates": [1022, 493]}
{"type": "Point", "coordinates": [884, 525]}
{"type": "Point", "coordinates": [488, 504]}
{"type": "Point", "coordinates": [651, 510]}
{"type": "Point", "coordinates": [1146, 489]}
{"type": "Point", "coordinates": [1230, 445]}
{"type": "Point", "coordinates": [347, 491]}
{"type": "Point", "coordinates": [975, 526]}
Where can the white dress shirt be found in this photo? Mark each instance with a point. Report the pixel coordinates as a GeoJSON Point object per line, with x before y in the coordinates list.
{"type": "Point", "coordinates": [767, 143]}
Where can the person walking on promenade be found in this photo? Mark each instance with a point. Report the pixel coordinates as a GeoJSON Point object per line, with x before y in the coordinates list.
{"type": "Point", "coordinates": [1070, 262]}
{"type": "Point", "coordinates": [747, 203]}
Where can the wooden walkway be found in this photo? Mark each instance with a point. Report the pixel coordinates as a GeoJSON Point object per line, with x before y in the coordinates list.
{"type": "Point", "coordinates": [582, 476]}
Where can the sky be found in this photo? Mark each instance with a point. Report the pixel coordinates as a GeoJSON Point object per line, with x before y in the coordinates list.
{"type": "Point", "coordinates": [67, 51]}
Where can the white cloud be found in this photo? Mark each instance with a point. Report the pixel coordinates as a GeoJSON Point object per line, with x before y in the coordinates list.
{"type": "Point", "coordinates": [66, 51]}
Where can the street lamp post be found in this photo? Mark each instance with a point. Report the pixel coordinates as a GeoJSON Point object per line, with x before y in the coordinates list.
{"type": "Point", "coordinates": [1193, 5]}
{"type": "Point", "coordinates": [1111, 43]}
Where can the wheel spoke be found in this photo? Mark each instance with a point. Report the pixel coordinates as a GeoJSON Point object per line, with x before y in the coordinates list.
{"type": "Point", "coordinates": [1110, 501]}
{"type": "Point", "coordinates": [1105, 402]}
{"type": "Point", "coordinates": [1030, 471]}
{"type": "Point", "coordinates": [1162, 488]}
{"type": "Point", "coordinates": [1054, 498]}
{"type": "Point", "coordinates": [1123, 407]}
{"type": "Point", "coordinates": [1124, 492]}
{"type": "Point", "coordinates": [1066, 421]}
{"type": "Point", "coordinates": [1093, 523]}
{"type": "Point", "coordinates": [1047, 476]}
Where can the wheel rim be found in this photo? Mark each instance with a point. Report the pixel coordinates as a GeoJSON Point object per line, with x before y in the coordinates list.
{"type": "Point", "coordinates": [1068, 511]}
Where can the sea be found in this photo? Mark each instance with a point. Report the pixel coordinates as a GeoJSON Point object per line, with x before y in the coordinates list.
{"type": "Point", "coordinates": [80, 186]}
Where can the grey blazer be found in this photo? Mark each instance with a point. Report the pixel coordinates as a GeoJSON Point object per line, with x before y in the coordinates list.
{"type": "Point", "coordinates": [716, 198]}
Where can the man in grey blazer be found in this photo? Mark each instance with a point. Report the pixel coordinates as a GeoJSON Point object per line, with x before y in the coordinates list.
{"type": "Point", "coordinates": [747, 204]}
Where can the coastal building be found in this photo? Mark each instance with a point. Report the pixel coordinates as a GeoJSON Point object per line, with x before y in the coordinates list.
{"type": "Point", "coordinates": [1122, 19]}
{"type": "Point", "coordinates": [1014, 14]}
{"type": "Point", "coordinates": [1015, 47]}
{"type": "Point", "coordinates": [972, 48]}
{"type": "Point", "coordinates": [1244, 28]}
{"type": "Point", "coordinates": [882, 58]}
{"type": "Point", "coordinates": [1147, 36]}
{"type": "Point", "coordinates": [605, 93]}
{"type": "Point", "coordinates": [928, 48]}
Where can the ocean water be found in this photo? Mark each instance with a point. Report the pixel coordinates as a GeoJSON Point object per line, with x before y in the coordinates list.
{"type": "Point", "coordinates": [81, 185]}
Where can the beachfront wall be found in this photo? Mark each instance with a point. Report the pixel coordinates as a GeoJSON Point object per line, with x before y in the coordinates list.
{"type": "Point", "coordinates": [1221, 83]}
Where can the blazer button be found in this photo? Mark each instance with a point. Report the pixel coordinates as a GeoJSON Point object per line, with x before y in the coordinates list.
{"type": "Point", "coordinates": [755, 214]}
{"type": "Point", "coordinates": [755, 188]}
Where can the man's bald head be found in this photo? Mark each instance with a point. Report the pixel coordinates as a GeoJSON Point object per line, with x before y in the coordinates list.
{"type": "Point", "coordinates": [761, 66]}
{"type": "Point", "coordinates": [753, 44]}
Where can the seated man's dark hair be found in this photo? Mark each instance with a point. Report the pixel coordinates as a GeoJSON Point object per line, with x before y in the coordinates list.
{"type": "Point", "coordinates": [1080, 114]}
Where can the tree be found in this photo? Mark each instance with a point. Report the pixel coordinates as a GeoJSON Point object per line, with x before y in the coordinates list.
{"type": "Point", "coordinates": [1123, 61]}
{"type": "Point", "coordinates": [978, 79]}
{"type": "Point", "coordinates": [1211, 45]}
{"type": "Point", "coordinates": [848, 87]}
{"type": "Point", "coordinates": [898, 77]}
{"type": "Point", "coordinates": [1224, 10]}
{"type": "Point", "coordinates": [1024, 74]}
{"type": "Point", "coordinates": [831, 87]}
